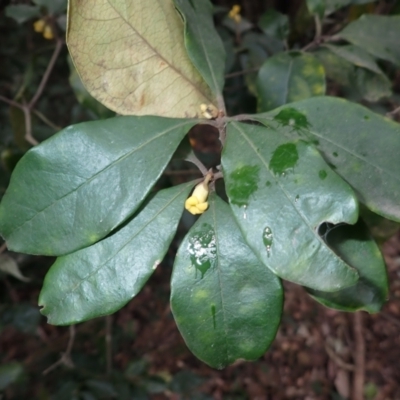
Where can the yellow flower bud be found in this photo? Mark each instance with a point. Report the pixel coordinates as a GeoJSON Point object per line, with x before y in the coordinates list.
{"type": "Point", "coordinates": [39, 25]}
{"type": "Point", "coordinates": [48, 33]}
{"type": "Point", "coordinates": [196, 203]}
{"type": "Point", "coordinates": [234, 13]}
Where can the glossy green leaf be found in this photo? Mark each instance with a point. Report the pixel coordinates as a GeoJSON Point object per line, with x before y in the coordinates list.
{"type": "Point", "coordinates": [73, 189]}
{"type": "Point", "coordinates": [355, 245]}
{"type": "Point", "coordinates": [227, 305]}
{"type": "Point", "coordinates": [100, 279]}
{"type": "Point", "coordinates": [203, 44]}
{"type": "Point", "coordinates": [288, 77]}
{"type": "Point", "coordinates": [132, 58]}
{"type": "Point", "coordinates": [84, 97]}
{"type": "Point", "coordinates": [316, 7]}
{"type": "Point", "coordinates": [377, 34]}
{"type": "Point", "coordinates": [356, 55]}
{"type": "Point", "coordinates": [362, 146]}
{"type": "Point", "coordinates": [280, 192]}
{"type": "Point", "coordinates": [275, 24]}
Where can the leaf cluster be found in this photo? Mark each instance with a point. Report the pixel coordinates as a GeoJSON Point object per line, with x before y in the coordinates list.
{"type": "Point", "coordinates": [294, 175]}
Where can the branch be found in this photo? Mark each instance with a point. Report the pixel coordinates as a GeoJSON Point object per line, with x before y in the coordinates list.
{"type": "Point", "coordinates": [359, 357]}
{"type": "Point", "coordinates": [393, 113]}
{"type": "Point", "coordinates": [47, 73]}
{"type": "Point", "coordinates": [65, 357]}
{"type": "Point", "coordinates": [28, 108]}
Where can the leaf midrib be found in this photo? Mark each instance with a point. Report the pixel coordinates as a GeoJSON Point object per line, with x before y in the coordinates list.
{"type": "Point", "coordinates": [120, 159]}
{"type": "Point", "coordinates": [128, 241]}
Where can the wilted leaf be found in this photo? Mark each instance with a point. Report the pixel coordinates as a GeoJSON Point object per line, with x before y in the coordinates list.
{"type": "Point", "coordinates": [288, 77]}
{"type": "Point", "coordinates": [280, 192]}
{"type": "Point", "coordinates": [227, 305]}
{"type": "Point", "coordinates": [84, 97]}
{"type": "Point", "coordinates": [131, 57]}
{"type": "Point", "coordinates": [73, 189]}
{"type": "Point", "coordinates": [102, 278]}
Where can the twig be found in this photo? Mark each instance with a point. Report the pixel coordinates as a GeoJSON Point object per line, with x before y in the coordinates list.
{"type": "Point", "coordinates": [109, 344]}
{"type": "Point", "coordinates": [193, 159]}
{"type": "Point", "coordinates": [28, 125]}
{"type": "Point", "coordinates": [393, 113]}
{"type": "Point", "coordinates": [244, 72]}
{"type": "Point", "coordinates": [340, 363]}
{"type": "Point", "coordinates": [11, 102]}
{"type": "Point", "coordinates": [46, 120]}
{"type": "Point", "coordinates": [28, 108]}
{"type": "Point", "coordinates": [359, 357]}
{"type": "Point", "coordinates": [47, 73]}
{"type": "Point", "coordinates": [321, 40]}
{"type": "Point", "coordinates": [3, 247]}
{"type": "Point", "coordinates": [318, 28]}
{"type": "Point", "coordinates": [65, 357]}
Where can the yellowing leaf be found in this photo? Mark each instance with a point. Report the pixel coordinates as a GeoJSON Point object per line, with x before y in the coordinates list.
{"type": "Point", "coordinates": [131, 57]}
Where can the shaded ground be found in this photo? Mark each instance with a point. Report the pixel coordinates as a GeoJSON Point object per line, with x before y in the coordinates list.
{"type": "Point", "coordinates": [313, 356]}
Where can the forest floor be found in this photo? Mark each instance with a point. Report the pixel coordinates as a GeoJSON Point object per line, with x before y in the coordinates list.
{"type": "Point", "coordinates": [318, 354]}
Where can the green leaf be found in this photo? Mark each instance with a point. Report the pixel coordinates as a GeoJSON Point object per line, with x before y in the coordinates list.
{"type": "Point", "coordinates": [316, 7]}
{"type": "Point", "coordinates": [377, 34]}
{"type": "Point", "coordinates": [336, 68]}
{"type": "Point", "coordinates": [274, 24]}
{"type": "Point", "coordinates": [84, 97]}
{"type": "Point", "coordinates": [371, 86]}
{"type": "Point", "coordinates": [362, 146]}
{"type": "Point", "coordinates": [102, 278]}
{"type": "Point", "coordinates": [73, 189]}
{"type": "Point", "coordinates": [226, 304]}
{"type": "Point", "coordinates": [280, 192]}
{"type": "Point", "coordinates": [132, 58]}
{"type": "Point", "coordinates": [356, 56]}
{"type": "Point", "coordinates": [355, 245]}
{"type": "Point", "coordinates": [203, 44]}
{"type": "Point", "coordinates": [22, 12]}
{"type": "Point", "coordinates": [288, 77]}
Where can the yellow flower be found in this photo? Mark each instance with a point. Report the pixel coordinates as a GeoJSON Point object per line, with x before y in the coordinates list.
{"type": "Point", "coordinates": [234, 13]}
{"type": "Point", "coordinates": [48, 33]}
{"type": "Point", "coordinates": [197, 202]}
{"type": "Point", "coordinates": [41, 26]}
